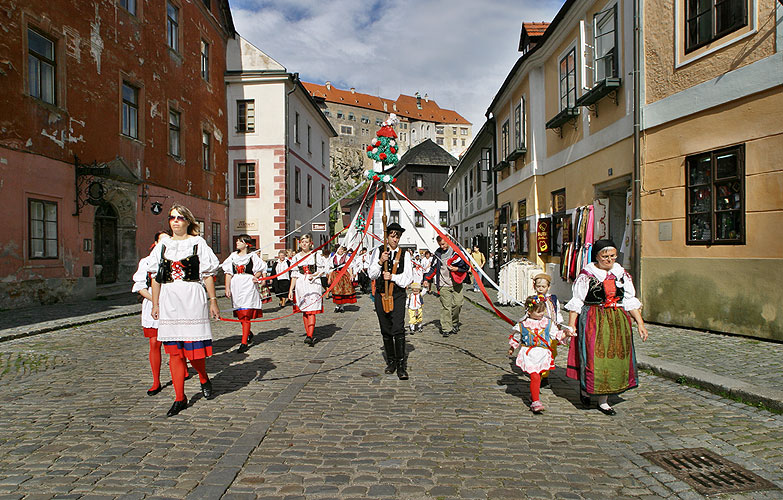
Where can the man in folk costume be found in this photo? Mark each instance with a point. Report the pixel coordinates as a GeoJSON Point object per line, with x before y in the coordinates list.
{"type": "Point", "coordinates": [399, 273]}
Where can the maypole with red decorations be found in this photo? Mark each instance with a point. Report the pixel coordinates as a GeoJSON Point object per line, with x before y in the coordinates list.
{"type": "Point", "coordinates": [383, 149]}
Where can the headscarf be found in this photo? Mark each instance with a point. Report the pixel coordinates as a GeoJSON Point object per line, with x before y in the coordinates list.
{"type": "Point", "coordinates": [600, 245]}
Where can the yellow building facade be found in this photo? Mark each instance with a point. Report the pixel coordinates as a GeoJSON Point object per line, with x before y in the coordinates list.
{"type": "Point", "coordinates": [712, 167]}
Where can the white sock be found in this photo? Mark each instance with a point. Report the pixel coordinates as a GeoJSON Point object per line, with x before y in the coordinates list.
{"type": "Point", "coordinates": [603, 402]}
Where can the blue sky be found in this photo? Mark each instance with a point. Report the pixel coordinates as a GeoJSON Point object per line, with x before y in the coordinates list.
{"type": "Point", "coordinates": [457, 51]}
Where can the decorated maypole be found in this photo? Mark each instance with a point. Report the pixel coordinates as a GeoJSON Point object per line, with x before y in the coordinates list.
{"type": "Point", "coordinates": [383, 150]}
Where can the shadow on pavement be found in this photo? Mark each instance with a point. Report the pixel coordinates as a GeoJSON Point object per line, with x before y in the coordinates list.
{"type": "Point", "coordinates": [13, 318]}
{"type": "Point", "coordinates": [235, 376]}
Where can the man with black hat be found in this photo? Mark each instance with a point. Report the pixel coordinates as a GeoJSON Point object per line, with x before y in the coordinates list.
{"type": "Point", "coordinates": [399, 272]}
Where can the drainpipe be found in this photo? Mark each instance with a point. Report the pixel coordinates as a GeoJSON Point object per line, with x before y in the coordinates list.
{"type": "Point", "coordinates": [492, 131]}
{"type": "Point", "coordinates": [294, 79]}
{"type": "Point", "coordinates": [637, 181]}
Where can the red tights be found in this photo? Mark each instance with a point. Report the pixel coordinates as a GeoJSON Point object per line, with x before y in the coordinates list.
{"type": "Point", "coordinates": [245, 331]}
{"type": "Point", "coordinates": [309, 323]}
{"type": "Point", "coordinates": [155, 362]}
{"type": "Point", "coordinates": [179, 368]}
{"type": "Point", "coordinates": [535, 386]}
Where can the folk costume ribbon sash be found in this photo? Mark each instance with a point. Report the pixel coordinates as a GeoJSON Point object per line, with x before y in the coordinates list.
{"type": "Point", "coordinates": [535, 338]}
{"type": "Point", "coordinates": [459, 252]}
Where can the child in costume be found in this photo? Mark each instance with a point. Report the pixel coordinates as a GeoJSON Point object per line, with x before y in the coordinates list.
{"type": "Point", "coordinates": [415, 307]}
{"type": "Point", "coordinates": [242, 268]}
{"type": "Point", "coordinates": [142, 283]}
{"type": "Point", "coordinates": [306, 291]}
{"type": "Point", "coordinates": [533, 336]}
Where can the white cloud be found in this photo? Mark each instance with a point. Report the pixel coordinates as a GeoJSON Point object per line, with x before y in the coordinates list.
{"type": "Point", "coordinates": [457, 51]}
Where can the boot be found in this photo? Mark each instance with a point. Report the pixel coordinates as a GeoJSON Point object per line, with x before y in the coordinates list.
{"type": "Point", "coordinates": [391, 360]}
{"type": "Point", "coordinates": [399, 349]}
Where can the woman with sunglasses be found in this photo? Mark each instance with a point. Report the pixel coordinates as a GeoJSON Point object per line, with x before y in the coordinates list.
{"type": "Point", "coordinates": [306, 292]}
{"type": "Point", "coordinates": [242, 268]}
{"type": "Point", "coordinates": [181, 303]}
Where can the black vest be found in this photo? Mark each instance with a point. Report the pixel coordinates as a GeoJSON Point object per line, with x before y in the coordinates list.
{"type": "Point", "coordinates": [596, 295]}
{"type": "Point", "coordinates": [380, 282]}
{"type": "Point", "coordinates": [190, 265]}
{"type": "Point", "coordinates": [248, 267]}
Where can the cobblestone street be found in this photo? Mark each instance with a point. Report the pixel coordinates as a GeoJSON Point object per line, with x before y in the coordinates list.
{"type": "Point", "coordinates": [289, 421]}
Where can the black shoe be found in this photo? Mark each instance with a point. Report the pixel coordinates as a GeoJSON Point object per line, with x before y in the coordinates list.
{"type": "Point", "coordinates": [454, 331]}
{"type": "Point", "coordinates": [250, 337]}
{"type": "Point", "coordinates": [391, 359]}
{"type": "Point", "coordinates": [444, 333]}
{"type": "Point", "coordinates": [584, 399]}
{"type": "Point", "coordinates": [152, 392]}
{"type": "Point", "coordinates": [337, 309]}
{"type": "Point", "coordinates": [309, 341]}
{"type": "Point", "coordinates": [609, 412]}
{"type": "Point", "coordinates": [206, 389]}
{"type": "Point", "coordinates": [177, 407]}
{"type": "Point", "coordinates": [244, 347]}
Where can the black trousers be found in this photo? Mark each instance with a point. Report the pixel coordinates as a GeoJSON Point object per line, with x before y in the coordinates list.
{"type": "Point", "coordinates": [392, 323]}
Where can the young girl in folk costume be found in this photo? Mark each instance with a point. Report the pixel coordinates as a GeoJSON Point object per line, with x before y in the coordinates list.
{"type": "Point", "coordinates": [415, 307]}
{"type": "Point", "coordinates": [306, 291]}
{"type": "Point", "coordinates": [343, 292]}
{"type": "Point", "coordinates": [282, 282]}
{"type": "Point", "coordinates": [533, 336]}
{"type": "Point", "coordinates": [541, 285]}
{"type": "Point", "coordinates": [181, 303]}
{"type": "Point", "coordinates": [142, 283]}
{"type": "Point", "coordinates": [242, 268]}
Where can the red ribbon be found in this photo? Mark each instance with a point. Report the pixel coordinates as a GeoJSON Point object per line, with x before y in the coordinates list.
{"type": "Point", "coordinates": [337, 277]}
{"type": "Point", "coordinates": [459, 252]}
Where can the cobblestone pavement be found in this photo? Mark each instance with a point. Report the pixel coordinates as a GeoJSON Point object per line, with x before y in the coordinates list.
{"type": "Point", "coordinates": [290, 421]}
{"type": "Point", "coordinates": [753, 361]}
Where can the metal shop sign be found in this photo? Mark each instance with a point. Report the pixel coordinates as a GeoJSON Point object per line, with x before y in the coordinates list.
{"type": "Point", "coordinates": [543, 235]}
{"type": "Point", "coordinates": [319, 227]}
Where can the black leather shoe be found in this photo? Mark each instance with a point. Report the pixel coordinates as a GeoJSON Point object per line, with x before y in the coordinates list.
{"type": "Point", "coordinates": [309, 341]}
{"type": "Point", "coordinates": [584, 399]}
{"type": "Point", "coordinates": [177, 407]}
{"type": "Point", "coordinates": [445, 334]}
{"type": "Point", "coordinates": [206, 389]}
{"type": "Point", "coordinates": [152, 392]}
{"type": "Point", "coordinates": [609, 412]}
{"type": "Point", "coordinates": [244, 347]}
{"type": "Point", "coordinates": [250, 337]}
{"type": "Point", "coordinates": [391, 356]}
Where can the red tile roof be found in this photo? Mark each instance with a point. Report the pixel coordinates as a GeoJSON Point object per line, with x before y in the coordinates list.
{"type": "Point", "coordinates": [535, 29]}
{"type": "Point", "coordinates": [406, 107]}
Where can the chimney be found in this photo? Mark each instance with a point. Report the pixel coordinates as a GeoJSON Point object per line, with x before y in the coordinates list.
{"type": "Point", "coordinates": [328, 85]}
{"type": "Point", "coordinates": [418, 100]}
{"type": "Point", "coordinates": [353, 90]}
{"type": "Point", "coordinates": [426, 98]}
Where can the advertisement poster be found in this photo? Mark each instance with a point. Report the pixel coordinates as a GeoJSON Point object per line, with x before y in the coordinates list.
{"type": "Point", "coordinates": [543, 235]}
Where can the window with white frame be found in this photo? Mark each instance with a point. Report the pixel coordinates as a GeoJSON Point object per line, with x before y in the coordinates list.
{"type": "Point", "coordinates": [346, 130]}
{"type": "Point", "coordinates": [394, 217]}
{"type": "Point", "coordinates": [418, 219]}
{"type": "Point", "coordinates": [41, 67]}
{"type": "Point", "coordinates": [605, 44]}
{"type": "Point", "coordinates": [246, 115]}
{"type": "Point", "coordinates": [463, 131]}
{"type": "Point", "coordinates": [246, 179]}
{"type": "Point", "coordinates": [568, 80]}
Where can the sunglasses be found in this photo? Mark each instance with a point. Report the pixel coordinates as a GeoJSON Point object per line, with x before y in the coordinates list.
{"type": "Point", "coordinates": [177, 217]}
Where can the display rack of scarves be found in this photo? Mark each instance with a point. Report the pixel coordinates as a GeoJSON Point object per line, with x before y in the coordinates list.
{"type": "Point", "coordinates": [576, 253]}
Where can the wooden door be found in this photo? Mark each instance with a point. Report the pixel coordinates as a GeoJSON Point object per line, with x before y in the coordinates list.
{"type": "Point", "coordinates": [106, 244]}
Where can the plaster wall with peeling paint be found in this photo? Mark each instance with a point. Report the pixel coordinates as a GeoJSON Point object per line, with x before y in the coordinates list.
{"type": "Point", "coordinates": [98, 46]}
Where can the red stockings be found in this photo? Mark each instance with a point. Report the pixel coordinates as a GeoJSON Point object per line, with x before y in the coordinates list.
{"type": "Point", "coordinates": [245, 331]}
{"type": "Point", "coordinates": [179, 368]}
{"type": "Point", "coordinates": [200, 365]}
{"type": "Point", "coordinates": [155, 362]}
{"type": "Point", "coordinates": [535, 386]}
{"type": "Point", "coordinates": [309, 323]}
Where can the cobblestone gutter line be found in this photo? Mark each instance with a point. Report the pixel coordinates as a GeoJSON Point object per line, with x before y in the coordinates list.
{"type": "Point", "coordinates": [703, 379]}
{"type": "Point", "coordinates": [59, 324]}
{"type": "Point", "coordinates": [228, 467]}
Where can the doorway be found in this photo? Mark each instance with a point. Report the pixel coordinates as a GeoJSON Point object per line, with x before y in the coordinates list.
{"type": "Point", "coordinates": [105, 229]}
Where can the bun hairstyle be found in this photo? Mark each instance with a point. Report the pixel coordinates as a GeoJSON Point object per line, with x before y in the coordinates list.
{"type": "Point", "coordinates": [185, 212]}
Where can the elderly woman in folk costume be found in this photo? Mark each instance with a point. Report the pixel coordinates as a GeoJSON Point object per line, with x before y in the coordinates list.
{"type": "Point", "coordinates": [343, 292]}
{"type": "Point", "coordinates": [306, 291]}
{"type": "Point", "coordinates": [242, 268]}
{"type": "Point", "coordinates": [182, 304]}
{"type": "Point", "coordinates": [604, 302]}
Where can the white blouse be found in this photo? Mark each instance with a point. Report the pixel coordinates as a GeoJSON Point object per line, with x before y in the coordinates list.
{"type": "Point", "coordinates": [259, 266]}
{"type": "Point", "coordinates": [403, 279]}
{"type": "Point", "coordinates": [181, 249]}
{"type": "Point", "coordinates": [622, 280]}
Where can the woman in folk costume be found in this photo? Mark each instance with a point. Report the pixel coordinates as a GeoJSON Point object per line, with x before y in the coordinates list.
{"type": "Point", "coordinates": [533, 336]}
{"type": "Point", "coordinates": [604, 302]}
{"type": "Point", "coordinates": [181, 303]}
{"type": "Point", "coordinates": [306, 291]}
{"type": "Point", "coordinates": [142, 284]}
{"type": "Point", "coordinates": [343, 292]}
{"type": "Point", "coordinates": [242, 268]}
{"type": "Point", "coordinates": [283, 281]}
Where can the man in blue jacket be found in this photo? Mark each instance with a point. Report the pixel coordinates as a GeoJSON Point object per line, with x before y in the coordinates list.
{"type": "Point", "coordinates": [448, 272]}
